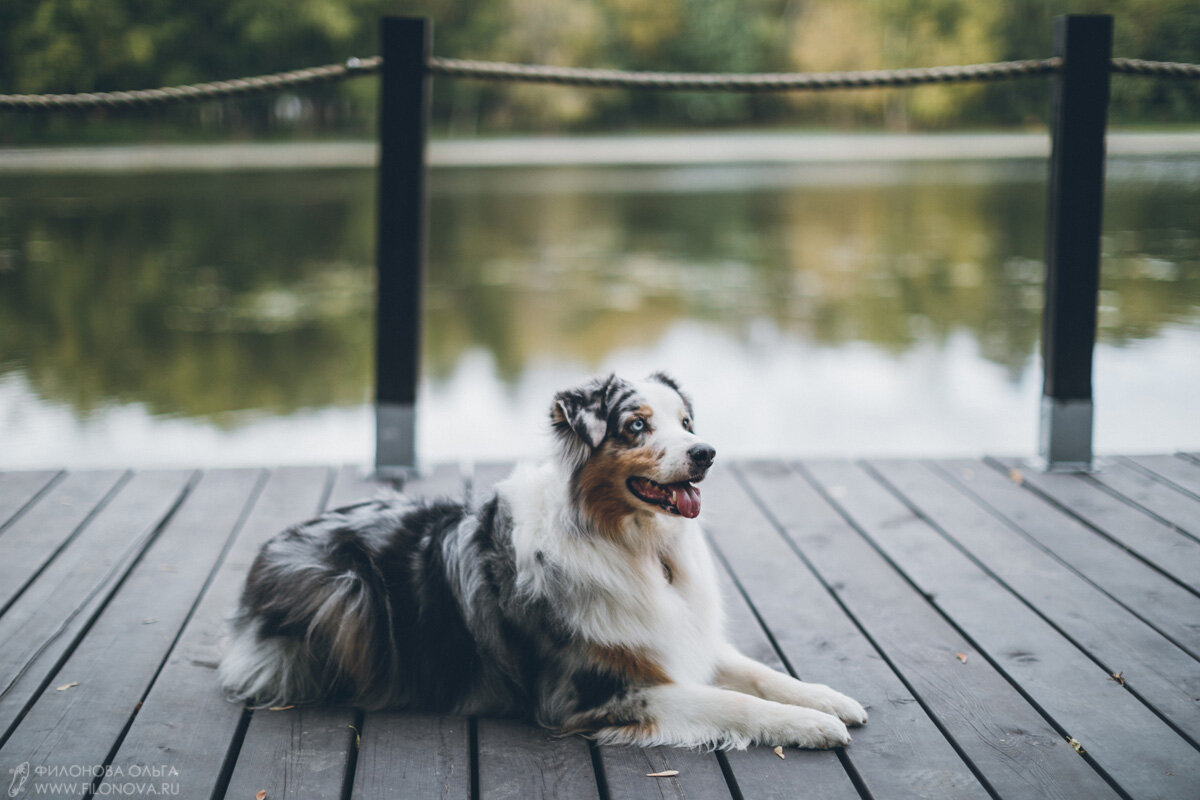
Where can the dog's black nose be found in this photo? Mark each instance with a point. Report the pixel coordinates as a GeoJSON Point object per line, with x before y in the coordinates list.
{"type": "Point", "coordinates": [702, 455]}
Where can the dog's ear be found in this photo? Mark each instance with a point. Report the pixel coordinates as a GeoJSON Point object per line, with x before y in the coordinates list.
{"type": "Point", "coordinates": [579, 416]}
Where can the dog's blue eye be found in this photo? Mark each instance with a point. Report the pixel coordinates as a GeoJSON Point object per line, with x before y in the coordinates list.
{"type": "Point", "coordinates": [687, 424]}
{"type": "Point", "coordinates": [638, 425]}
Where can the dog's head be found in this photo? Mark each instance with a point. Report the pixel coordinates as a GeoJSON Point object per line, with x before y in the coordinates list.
{"type": "Point", "coordinates": [631, 446]}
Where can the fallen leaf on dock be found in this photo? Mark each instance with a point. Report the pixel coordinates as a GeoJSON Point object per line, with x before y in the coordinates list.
{"type": "Point", "coordinates": [779, 751]}
{"type": "Point", "coordinates": [1078, 747]}
{"type": "Point", "coordinates": [1016, 476]}
{"type": "Point", "coordinates": [1119, 677]}
{"type": "Point", "coordinates": [961, 657]}
{"type": "Point", "coordinates": [262, 795]}
{"type": "Point", "coordinates": [66, 686]}
{"type": "Point", "coordinates": [666, 773]}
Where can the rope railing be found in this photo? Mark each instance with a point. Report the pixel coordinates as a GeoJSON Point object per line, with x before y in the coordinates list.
{"type": "Point", "coordinates": [200, 91]}
{"type": "Point", "coordinates": [574, 76]}
{"type": "Point", "coordinates": [730, 82]}
{"type": "Point", "coordinates": [1162, 69]}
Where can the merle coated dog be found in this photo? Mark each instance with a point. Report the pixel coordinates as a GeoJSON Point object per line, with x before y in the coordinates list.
{"type": "Point", "coordinates": [581, 594]}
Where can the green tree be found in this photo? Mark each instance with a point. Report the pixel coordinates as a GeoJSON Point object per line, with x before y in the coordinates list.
{"type": "Point", "coordinates": [83, 45]}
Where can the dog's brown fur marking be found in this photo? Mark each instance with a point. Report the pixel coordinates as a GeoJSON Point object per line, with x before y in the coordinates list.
{"type": "Point", "coordinates": [640, 729]}
{"type": "Point", "coordinates": [633, 668]}
{"type": "Point", "coordinates": [592, 723]}
{"type": "Point", "coordinates": [601, 483]}
{"type": "Point", "coordinates": [631, 665]}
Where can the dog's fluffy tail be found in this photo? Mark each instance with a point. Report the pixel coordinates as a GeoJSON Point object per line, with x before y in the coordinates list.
{"type": "Point", "coordinates": [314, 624]}
{"type": "Point", "coordinates": [266, 670]}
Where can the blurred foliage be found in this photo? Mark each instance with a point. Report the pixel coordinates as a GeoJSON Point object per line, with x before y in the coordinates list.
{"type": "Point", "coordinates": [205, 295]}
{"type": "Point", "coordinates": [86, 45]}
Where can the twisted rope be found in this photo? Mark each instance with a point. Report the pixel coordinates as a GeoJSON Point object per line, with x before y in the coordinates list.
{"type": "Point", "coordinates": [198, 91]}
{"type": "Point", "coordinates": [596, 78]}
{"type": "Point", "coordinates": [1166, 69]}
{"type": "Point", "coordinates": [759, 82]}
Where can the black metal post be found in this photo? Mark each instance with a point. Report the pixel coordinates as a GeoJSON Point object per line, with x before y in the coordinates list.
{"type": "Point", "coordinates": [400, 256]}
{"type": "Point", "coordinates": [1073, 214]}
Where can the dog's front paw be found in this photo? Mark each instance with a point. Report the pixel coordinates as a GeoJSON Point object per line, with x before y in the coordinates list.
{"type": "Point", "coordinates": [822, 698]}
{"type": "Point", "coordinates": [816, 730]}
{"type": "Point", "coordinates": [847, 709]}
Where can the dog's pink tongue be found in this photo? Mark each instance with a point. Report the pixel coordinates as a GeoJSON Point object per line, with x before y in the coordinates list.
{"type": "Point", "coordinates": [687, 499]}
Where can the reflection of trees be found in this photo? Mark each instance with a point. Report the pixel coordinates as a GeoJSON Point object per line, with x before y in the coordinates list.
{"type": "Point", "coordinates": [193, 295]}
{"type": "Point", "coordinates": [577, 273]}
{"type": "Point", "coordinates": [1151, 259]}
{"type": "Point", "coordinates": [207, 294]}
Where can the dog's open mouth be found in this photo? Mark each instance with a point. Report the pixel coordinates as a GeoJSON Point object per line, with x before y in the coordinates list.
{"type": "Point", "coordinates": [677, 498]}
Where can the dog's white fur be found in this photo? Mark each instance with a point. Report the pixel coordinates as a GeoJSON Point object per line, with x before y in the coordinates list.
{"type": "Point", "coordinates": [617, 595]}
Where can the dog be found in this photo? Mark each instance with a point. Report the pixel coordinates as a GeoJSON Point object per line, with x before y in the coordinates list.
{"type": "Point", "coordinates": [582, 594]}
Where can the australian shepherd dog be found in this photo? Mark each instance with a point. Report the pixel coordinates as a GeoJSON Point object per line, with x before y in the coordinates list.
{"type": "Point", "coordinates": [581, 594]}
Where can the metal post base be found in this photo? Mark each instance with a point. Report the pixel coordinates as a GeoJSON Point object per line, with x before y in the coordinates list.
{"type": "Point", "coordinates": [395, 440]}
{"type": "Point", "coordinates": [1066, 435]}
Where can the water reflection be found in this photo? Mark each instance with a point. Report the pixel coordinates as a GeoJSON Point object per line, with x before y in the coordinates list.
{"type": "Point", "coordinates": [869, 309]}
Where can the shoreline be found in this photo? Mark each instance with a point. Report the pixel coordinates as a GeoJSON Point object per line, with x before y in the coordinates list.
{"type": "Point", "coordinates": [746, 148]}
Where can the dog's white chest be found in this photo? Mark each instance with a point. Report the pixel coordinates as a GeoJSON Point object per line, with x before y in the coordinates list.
{"type": "Point", "coordinates": [663, 602]}
{"type": "Point", "coordinates": [690, 625]}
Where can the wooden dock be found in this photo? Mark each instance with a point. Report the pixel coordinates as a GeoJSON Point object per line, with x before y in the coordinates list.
{"type": "Point", "coordinates": [1014, 635]}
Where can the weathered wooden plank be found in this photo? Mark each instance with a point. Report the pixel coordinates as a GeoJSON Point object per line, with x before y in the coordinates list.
{"type": "Point", "coordinates": [758, 771]}
{"type": "Point", "coordinates": [1155, 598]}
{"type": "Point", "coordinates": [300, 752]}
{"type": "Point", "coordinates": [353, 484]}
{"type": "Point", "coordinates": [1181, 474]}
{"type": "Point", "coordinates": [1167, 549]}
{"type": "Point", "coordinates": [43, 530]}
{"type": "Point", "coordinates": [627, 771]}
{"type": "Point", "coordinates": [1163, 675]}
{"type": "Point", "coordinates": [1009, 743]}
{"type": "Point", "coordinates": [45, 622]}
{"type": "Point", "coordinates": [404, 754]}
{"type": "Point", "coordinates": [112, 667]}
{"type": "Point", "coordinates": [900, 753]}
{"type": "Point", "coordinates": [519, 761]}
{"type": "Point", "coordinates": [1132, 745]}
{"type": "Point", "coordinates": [1174, 508]}
{"type": "Point", "coordinates": [19, 490]}
{"type": "Point", "coordinates": [444, 481]}
{"type": "Point", "coordinates": [185, 722]}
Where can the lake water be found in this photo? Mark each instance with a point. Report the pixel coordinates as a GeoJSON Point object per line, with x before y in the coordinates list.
{"type": "Point", "coordinates": [225, 318]}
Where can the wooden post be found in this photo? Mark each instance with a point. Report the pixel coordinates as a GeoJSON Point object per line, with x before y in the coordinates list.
{"type": "Point", "coordinates": [400, 256]}
{"type": "Point", "coordinates": [1073, 213]}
